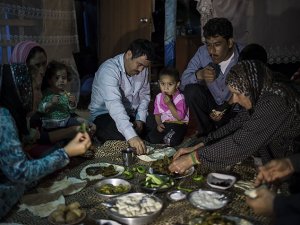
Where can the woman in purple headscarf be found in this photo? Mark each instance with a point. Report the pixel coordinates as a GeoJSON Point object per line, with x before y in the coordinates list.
{"type": "Point", "coordinates": [35, 57]}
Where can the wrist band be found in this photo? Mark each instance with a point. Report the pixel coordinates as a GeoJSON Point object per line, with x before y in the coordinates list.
{"type": "Point", "coordinates": [194, 159]}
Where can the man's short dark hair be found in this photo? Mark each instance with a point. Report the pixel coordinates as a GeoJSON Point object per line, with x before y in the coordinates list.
{"type": "Point", "coordinates": [141, 47]}
{"type": "Point", "coordinates": [218, 27]}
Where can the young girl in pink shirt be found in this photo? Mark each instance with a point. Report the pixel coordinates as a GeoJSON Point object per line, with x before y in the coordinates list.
{"type": "Point", "coordinates": [170, 111]}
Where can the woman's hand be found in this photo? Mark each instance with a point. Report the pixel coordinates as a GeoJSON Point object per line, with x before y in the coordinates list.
{"type": "Point", "coordinates": [183, 151]}
{"type": "Point", "coordinates": [180, 165]}
{"type": "Point", "coordinates": [78, 145]}
{"type": "Point", "coordinates": [274, 170]}
{"type": "Point", "coordinates": [263, 203]}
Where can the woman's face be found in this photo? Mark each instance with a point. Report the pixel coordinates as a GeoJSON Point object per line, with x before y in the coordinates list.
{"type": "Point", "coordinates": [240, 98]}
{"type": "Point", "coordinates": [38, 62]}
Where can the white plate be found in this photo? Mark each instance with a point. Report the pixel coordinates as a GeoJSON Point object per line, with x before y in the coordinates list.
{"type": "Point", "coordinates": [84, 175]}
{"type": "Point", "coordinates": [220, 181]}
{"type": "Point", "coordinates": [207, 200]}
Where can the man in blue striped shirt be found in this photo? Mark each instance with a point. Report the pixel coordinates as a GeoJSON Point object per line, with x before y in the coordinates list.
{"type": "Point", "coordinates": [203, 81]}
{"type": "Point", "coordinates": [121, 95]}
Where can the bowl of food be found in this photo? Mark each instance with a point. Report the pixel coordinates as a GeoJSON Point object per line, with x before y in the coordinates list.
{"type": "Point", "coordinates": [176, 195]}
{"type": "Point", "coordinates": [157, 183]}
{"type": "Point", "coordinates": [67, 214]}
{"type": "Point", "coordinates": [112, 187]}
{"type": "Point", "coordinates": [134, 208]}
{"type": "Point", "coordinates": [220, 181]}
{"type": "Point", "coordinates": [207, 200]}
{"type": "Point", "coordinates": [217, 218]}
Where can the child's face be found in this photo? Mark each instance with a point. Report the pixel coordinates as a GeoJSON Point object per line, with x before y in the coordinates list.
{"type": "Point", "coordinates": [59, 80]}
{"type": "Point", "coordinates": [168, 85]}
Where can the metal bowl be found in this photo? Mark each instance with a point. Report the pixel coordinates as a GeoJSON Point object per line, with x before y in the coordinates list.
{"type": "Point", "coordinates": [112, 181]}
{"type": "Point", "coordinates": [176, 195]}
{"type": "Point", "coordinates": [208, 200]}
{"type": "Point", "coordinates": [137, 220]}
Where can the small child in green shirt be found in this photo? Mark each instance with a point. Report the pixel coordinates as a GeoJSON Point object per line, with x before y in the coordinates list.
{"type": "Point", "coordinates": [58, 105]}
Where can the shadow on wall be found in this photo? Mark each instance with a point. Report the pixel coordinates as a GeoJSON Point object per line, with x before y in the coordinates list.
{"type": "Point", "coordinates": [86, 63]}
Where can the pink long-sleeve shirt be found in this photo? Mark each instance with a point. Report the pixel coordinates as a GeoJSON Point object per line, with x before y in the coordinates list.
{"type": "Point", "coordinates": [166, 116]}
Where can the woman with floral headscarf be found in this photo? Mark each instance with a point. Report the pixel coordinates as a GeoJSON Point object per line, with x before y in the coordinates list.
{"type": "Point", "coordinates": [269, 123]}
{"type": "Point", "coordinates": [17, 172]}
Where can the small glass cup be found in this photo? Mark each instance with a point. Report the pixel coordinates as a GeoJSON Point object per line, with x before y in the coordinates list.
{"type": "Point", "coordinates": [128, 156]}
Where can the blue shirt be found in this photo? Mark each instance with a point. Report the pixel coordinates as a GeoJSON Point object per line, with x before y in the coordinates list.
{"type": "Point", "coordinates": [201, 59]}
{"type": "Point", "coordinates": [120, 95]}
{"type": "Point", "coordinates": [16, 170]}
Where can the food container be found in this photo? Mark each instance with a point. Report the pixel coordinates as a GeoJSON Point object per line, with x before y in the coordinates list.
{"type": "Point", "coordinates": [176, 195]}
{"type": "Point", "coordinates": [136, 220]}
{"type": "Point", "coordinates": [114, 182]}
{"type": "Point", "coordinates": [220, 181]}
{"type": "Point", "coordinates": [207, 200]}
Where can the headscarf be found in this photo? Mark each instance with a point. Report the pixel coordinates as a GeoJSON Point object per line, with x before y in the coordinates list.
{"type": "Point", "coordinates": [253, 78]}
{"type": "Point", "coordinates": [21, 51]}
{"type": "Point", "coordinates": [16, 93]}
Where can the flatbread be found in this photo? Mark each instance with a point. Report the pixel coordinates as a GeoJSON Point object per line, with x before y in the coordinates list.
{"type": "Point", "coordinates": [41, 204]}
{"type": "Point", "coordinates": [68, 186]}
{"type": "Point", "coordinates": [157, 154]}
